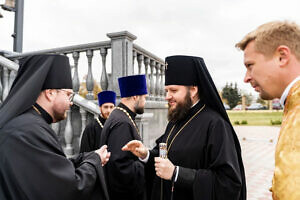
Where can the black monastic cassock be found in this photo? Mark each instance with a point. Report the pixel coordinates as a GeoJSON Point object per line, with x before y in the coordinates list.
{"type": "Point", "coordinates": [205, 153]}
{"type": "Point", "coordinates": [34, 166]}
{"type": "Point", "coordinates": [124, 171]}
{"type": "Point", "coordinates": [206, 150]}
{"type": "Point", "coordinates": [91, 135]}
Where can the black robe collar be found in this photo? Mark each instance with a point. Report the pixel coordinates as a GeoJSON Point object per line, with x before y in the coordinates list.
{"type": "Point", "coordinates": [44, 114]}
{"type": "Point", "coordinates": [132, 114]}
{"type": "Point", "coordinates": [101, 119]}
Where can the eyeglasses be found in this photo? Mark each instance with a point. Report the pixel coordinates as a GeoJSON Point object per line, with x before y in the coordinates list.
{"type": "Point", "coordinates": [70, 94]}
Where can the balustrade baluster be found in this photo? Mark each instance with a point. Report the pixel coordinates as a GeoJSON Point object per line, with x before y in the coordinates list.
{"type": "Point", "coordinates": [76, 82]}
{"type": "Point", "coordinates": [158, 82]}
{"type": "Point", "coordinates": [90, 79]}
{"type": "Point", "coordinates": [134, 54]}
{"type": "Point", "coordinates": [140, 59]}
{"type": "Point", "coordinates": [83, 120]}
{"type": "Point", "coordinates": [55, 127]}
{"type": "Point", "coordinates": [104, 78]}
{"type": "Point", "coordinates": [12, 76]}
{"type": "Point", "coordinates": [5, 83]}
{"type": "Point", "coordinates": [68, 135]}
{"type": "Point", "coordinates": [152, 89]}
{"type": "Point", "coordinates": [162, 82]}
{"type": "Point", "coordinates": [146, 63]}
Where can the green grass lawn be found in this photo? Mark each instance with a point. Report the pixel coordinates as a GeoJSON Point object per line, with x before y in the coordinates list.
{"type": "Point", "coordinates": [255, 118]}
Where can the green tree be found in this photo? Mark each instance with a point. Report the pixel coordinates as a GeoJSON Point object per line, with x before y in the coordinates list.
{"type": "Point", "coordinates": [232, 94]}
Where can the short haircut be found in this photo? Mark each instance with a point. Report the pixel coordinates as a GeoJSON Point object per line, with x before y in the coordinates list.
{"type": "Point", "coordinates": [271, 35]}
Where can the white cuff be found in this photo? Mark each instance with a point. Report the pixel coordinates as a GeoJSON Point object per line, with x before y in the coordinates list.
{"type": "Point", "coordinates": [145, 160]}
{"type": "Point", "coordinates": [177, 172]}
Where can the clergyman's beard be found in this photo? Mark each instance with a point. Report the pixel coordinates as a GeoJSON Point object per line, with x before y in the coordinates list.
{"type": "Point", "coordinates": [59, 116]}
{"type": "Point", "coordinates": [138, 109]}
{"type": "Point", "coordinates": [181, 110]}
{"type": "Point", "coordinates": [104, 115]}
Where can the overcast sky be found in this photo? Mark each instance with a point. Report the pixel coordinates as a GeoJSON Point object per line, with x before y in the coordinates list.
{"type": "Point", "coordinates": [208, 29]}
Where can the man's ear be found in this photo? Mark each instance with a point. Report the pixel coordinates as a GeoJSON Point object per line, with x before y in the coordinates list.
{"type": "Point", "coordinates": [50, 94]}
{"type": "Point", "coordinates": [134, 97]}
{"type": "Point", "coordinates": [283, 53]}
{"type": "Point", "coordinates": [194, 91]}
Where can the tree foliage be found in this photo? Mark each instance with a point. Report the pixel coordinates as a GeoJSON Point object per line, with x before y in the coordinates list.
{"type": "Point", "coordinates": [232, 94]}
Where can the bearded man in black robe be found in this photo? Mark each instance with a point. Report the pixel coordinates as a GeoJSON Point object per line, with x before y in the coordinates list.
{"type": "Point", "coordinates": [91, 135]}
{"type": "Point", "coordinates": [32, 162]}
{"type": "Point", "coordinates": [203, 152]}
{"type": "Point", "coordinates": [124, 171]}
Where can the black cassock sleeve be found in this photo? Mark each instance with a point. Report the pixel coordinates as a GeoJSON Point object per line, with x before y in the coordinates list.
{"type": "Point", "coordinates": [222, 178]}
{"type": "Point", "coordinates": [150, 168]}
{"type": "Point", "coordinates": [34, 167]}
{"type": "Point", "coordinates": [125, 173]}
{"type": "Point", "coordinates": [87, 143]}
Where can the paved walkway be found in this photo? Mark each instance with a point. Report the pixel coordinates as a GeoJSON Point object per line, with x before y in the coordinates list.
{"type": "Point", "coordinates": [258, 148]}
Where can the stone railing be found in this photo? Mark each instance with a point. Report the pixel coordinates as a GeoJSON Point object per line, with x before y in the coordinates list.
{"type": "Point", "coordinates": [126, 59]}
{"type": "Point", "coordinates": [124, 55]}
{"type": "Point", "coordinates": [154, 70]}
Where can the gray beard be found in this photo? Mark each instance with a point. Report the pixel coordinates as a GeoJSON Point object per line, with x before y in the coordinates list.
{"type": "Point", "coordinates": [181, 110]}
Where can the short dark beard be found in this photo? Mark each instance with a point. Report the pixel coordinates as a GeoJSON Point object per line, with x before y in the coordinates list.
{"type": "Point", "coordinates": [181, 110]}
{"type": "Point", "coordinates": [103, 116]}
{"type": "Point", "coordinates": [59, 117]}
{"type": "Point", "coordinates": [138, 110]}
